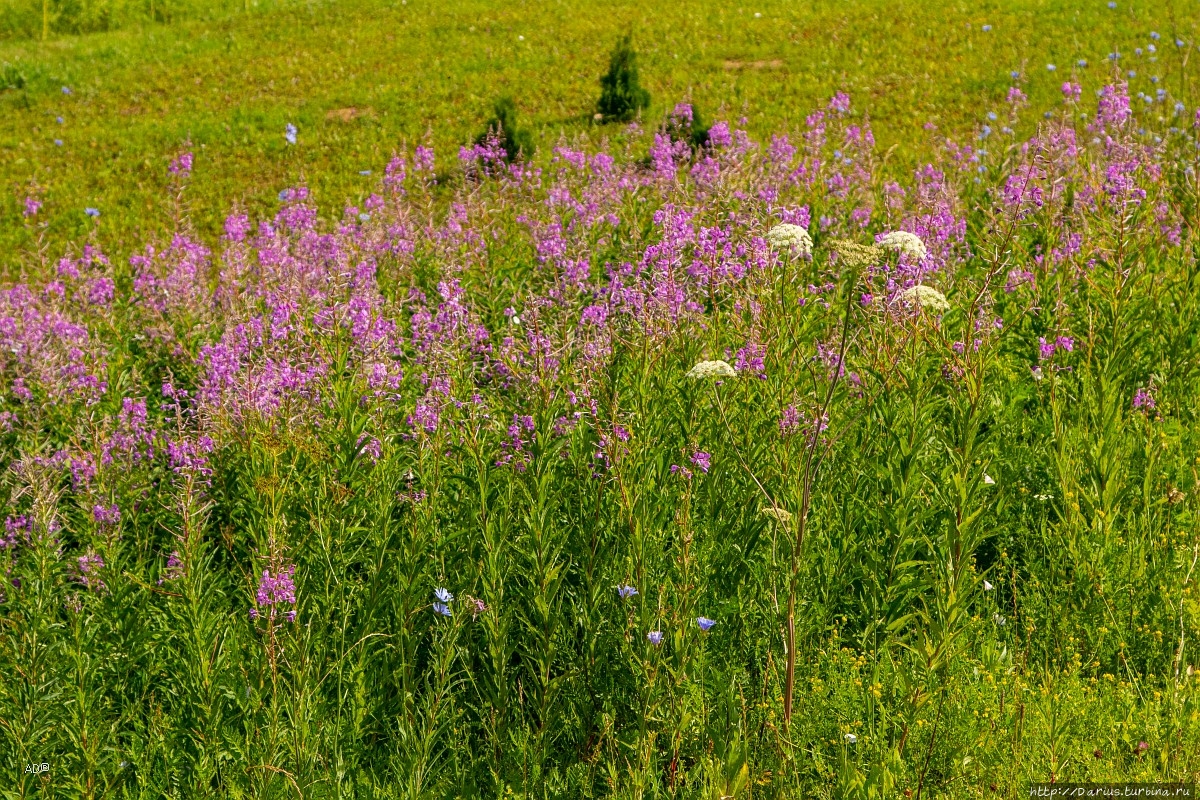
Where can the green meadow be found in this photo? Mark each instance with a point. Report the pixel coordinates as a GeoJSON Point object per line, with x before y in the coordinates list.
{"type": "Point", "coordinates": [360, 79]}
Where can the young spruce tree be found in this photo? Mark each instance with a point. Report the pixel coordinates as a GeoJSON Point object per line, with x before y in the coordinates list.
{"type": "Point", "coordinates": [621, 95]}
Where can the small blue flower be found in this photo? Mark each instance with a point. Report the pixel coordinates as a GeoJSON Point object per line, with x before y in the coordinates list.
{"type": "Point", "coordinates": [59, 120]}
{"type": "Point", "coordinates": [1051, 67]}
{"type": "Point", "coordinates": [1133, 73]}
{"type": "Point", "coordinates": [66, 90]}
{"type": "Point", "coordinates": [1113, 56]}
{"type": "Point", "coordinates": [1179, 107]}
{"type": "Point", "coordinates": [58, 142]}
{"type": "Point", "coordinates": [92, 212]}
{"type": "Point", "coordinates": [987, 28]}
{"type": "Point", "coordinates": [1048, 115]}
{"type": "Point", "coordinates": [1081, 62]}
{"type": "Point", "coordinates": [289, 133]}
{"type": "Point", "coordinates": [364, 217]}
{"type": "Point", "coordinates": [992, 116]}
{"type": "Point", "coordinates": [1112, 4]}
{"type": "Point", "coordinates": [985, 131]}
{"type": "Point", "coordinates": [1179, 42]}
{"type": "Point", "coordinates": [284, 195]}
{"type": "Point", "coordinates": [440, 608]}
{"type": "Point", "coordinates": [443, 595]}
{"type": "Point", "coordinates": [626, 592]}
{"type": "Point", "coordinates": [1014, 74]}
{"type": "Point", "coordinates": [364, 172]}
{"type": "Point", "coordinates": [1151, 48]}
{"type": "Point", "coordinates": [1154, 35]}
{"type": "Point", "coordinates": [705, 623]}
{"type": "Point", "coordinates": [655, 637]}
{"type": "Point", "coordinates": [1154, 79]}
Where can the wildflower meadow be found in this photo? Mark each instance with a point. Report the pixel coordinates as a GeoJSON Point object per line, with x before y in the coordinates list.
{"type": "Point", "coordinates": [672, 467]}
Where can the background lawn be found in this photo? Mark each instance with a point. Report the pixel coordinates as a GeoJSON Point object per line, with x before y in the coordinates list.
{"type": "Point", "coordinates": [360, 78]}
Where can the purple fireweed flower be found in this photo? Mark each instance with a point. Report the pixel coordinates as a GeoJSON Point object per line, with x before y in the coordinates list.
{"type": "Point", "coordinates": [704, 623]}
{"type": "Point", "coordinates": [106, 515]}
{"type": "Point", "coordinates": [88, 570]}
{"type": "Point", "coordinates": [702, 460]}
{"type": "Point", "coordinates": [275, 590]}
{"type": "Point", "coordinates": [655, 637]}
{"type": "Point", "coordinates": [174, 570]}
{"type": "Point", "coordinates": [32, 206]}
{"type": "Point", "coordinates": [1143, 400]}
{"type": "Point", "coordinates": [626, 592]}
{"type": "Point", "coordinates": [182, 165]}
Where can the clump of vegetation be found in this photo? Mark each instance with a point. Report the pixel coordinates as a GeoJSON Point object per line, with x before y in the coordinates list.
{"type": "Point", "coordinates": [621, 95]}
{"type": "Point", "coordinates": [505, 132]}
{"type": "Point", "coordinates": [685, 124]}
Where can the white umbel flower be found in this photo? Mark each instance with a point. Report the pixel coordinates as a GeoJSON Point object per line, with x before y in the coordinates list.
{"type": "Point", "coordinates": [712, 369]}
{"type": "Point", "coordinates": [926, 297]}
{"type": "Point", "coordinates": [904, 242]}
{"type": "Point", "coordinates": [790, 239]}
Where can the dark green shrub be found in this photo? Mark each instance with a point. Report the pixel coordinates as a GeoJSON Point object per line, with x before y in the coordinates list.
{"type": "Point", "coordinates": [517, 142]}
{"type": "Point", "coordinates": [621, 95]}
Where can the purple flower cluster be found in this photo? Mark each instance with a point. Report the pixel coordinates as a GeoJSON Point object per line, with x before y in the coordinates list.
{"type": "Point", "coordinates": [275, 594]}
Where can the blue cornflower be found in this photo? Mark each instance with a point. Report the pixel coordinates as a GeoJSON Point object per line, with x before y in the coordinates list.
{"type": "Point", "coordinates": [283, 195]}
{"type": "Point", "coordinates": [1081, 62]}
{"type": "Point", "coordinates": [705, 623]}
{"type": "Point", "coordinates": [442, 599]}
{"type": "Point", "coordinates": [985, 131]}
{"type": "Point", "coordinates": [1014, 74]}
{"type": "Point", "coordinates": [289, 133]}
{"type": "Point", "coordinates": [1154, 79]}
{"type": "Point", "coordinates": [1112, 4]}
{"type": "Point", "coordinates": [66, 90]}
{"type": "Point", "coordinates": [987, 28]}
{"type": "Point", "coordinates": [1179, 107]}
{"type": "Point", "coordinates": [1179, 42]}
{"type": "Point", "coordinates": [626, 592]}
{"type": "Point", "coordinates": [1113, 56]}
{"type": "Point", "coordinates": [92, 212]}
{"type": "Point", "coordinates": [1151, 48]}
{"type": "Point", "coordinates": [59, 120]}
{"type": "Point", "coordinates": [1133, 73]}
{"type": "Point", "coordinates": [1137, 51]}
{"type": "Point", "coordinates": [364, 217]}
{"type": "Point", "coordinates": [364, 172]}
{"type": "Point", "coordinates": [1154, 35]}
{"type": "Point", "coordinates": [655, 637]}
{"type": "Point", "coordinates": [58, 142]}
{"type": "Point", "coordinates": [992, 116]}
{"type": "Point", "coordinates": [1051, 67]}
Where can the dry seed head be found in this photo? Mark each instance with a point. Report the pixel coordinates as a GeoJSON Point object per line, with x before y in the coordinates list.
{"type": "Point", "coordinates": [853, 254]}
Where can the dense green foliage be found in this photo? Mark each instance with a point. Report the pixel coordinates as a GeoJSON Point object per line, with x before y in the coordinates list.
{"type": "Point", "coordinates": [504, 131]}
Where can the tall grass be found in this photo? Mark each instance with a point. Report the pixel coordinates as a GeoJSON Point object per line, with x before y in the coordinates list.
{"type": "Point", "coordinates": [725, 508]}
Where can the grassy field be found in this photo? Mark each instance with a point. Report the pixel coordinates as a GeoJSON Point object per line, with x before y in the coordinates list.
{"type": "Point", "coordinates": [849, 451]}
{"type": "Point", "coordinates": [358, 79]}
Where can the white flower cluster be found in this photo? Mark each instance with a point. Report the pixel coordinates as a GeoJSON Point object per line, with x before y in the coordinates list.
{"type": "Point", "coordinates": [904, 242]}
{"type": "Point", "coordinates": [712, 369]}
{"type": "Point", "coordinates": [926, 297]}
{"type": "Point", "coordinates": [791, 239]}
